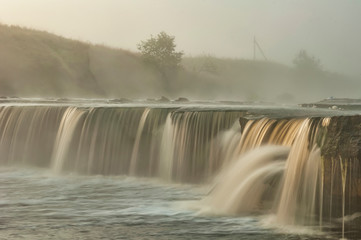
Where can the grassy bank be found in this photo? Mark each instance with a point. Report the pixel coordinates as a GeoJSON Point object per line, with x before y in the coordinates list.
{"type": "Point", "coordinates": [39, 64]}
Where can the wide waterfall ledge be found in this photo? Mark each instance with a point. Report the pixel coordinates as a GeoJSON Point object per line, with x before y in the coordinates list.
{"type": "Point", "coordinates": [300, 165]}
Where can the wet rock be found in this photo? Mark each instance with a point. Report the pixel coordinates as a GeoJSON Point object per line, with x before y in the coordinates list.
{"type": "Point", "coordinates": [182, 99]}
{"type": "Point", "coordinates": [163, 99]}
{"type": "Point", "coordinates": [119, 100]}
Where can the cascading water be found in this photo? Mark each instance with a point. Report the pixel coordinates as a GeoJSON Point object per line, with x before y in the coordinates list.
{"type": "Point", "coordinates": [246, 184]}
{"type": "Point", "coordinates": [134, 158]}
{"type": "Point", "coordinates": [166, 150]}
{"type": "Point", "coordinates": [300, 182]}
{"type": "Point", "coordinates": [64, 137]}
{"type": "Point", "coordinates": [343, 165]}
{"type": "Point", "coordinates": [189, 148]}
{"type": "Point", "coordinates": [261, 166]}
{"type": "Point", "coordinates": [27, 134]}
{"type": "Point", "coordinates": [163, 142]}
{"type": "Point", "coordinates": [254, 181]}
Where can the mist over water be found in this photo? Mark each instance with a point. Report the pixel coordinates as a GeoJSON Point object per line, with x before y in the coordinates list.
{"type": "Point", "coordinates": [160, 171]}
{"type": "Point", "coordinates": [303, 60]}
{"type": "Point", "coordinates": [179, 119]}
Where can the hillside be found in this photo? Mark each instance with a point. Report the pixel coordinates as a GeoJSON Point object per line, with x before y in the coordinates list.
{"type": "Point", "coordinates": [35, 63]}
{"type": "Point", "coordinates": [271, 81]}
{"type": "Point", "coordinates": [39, 64]}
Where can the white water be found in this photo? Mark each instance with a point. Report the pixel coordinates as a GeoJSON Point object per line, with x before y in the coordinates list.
{"type": "Point", "coordinates": [64, 136]}
{"type": "Point", "coordinates": [297, 202]}
{"type": "Point", "coordinates": [134, 158]}
{"type": "Point", "coordinates": [276, 180]}
{"type": "Point", "coordinates": [245, 186]}
{"type": "Point", "coordinates": [256, 176]}
{"type": "Point", "coordinates": [35, 204]}
{"type": "Point", "coordinates": [166, 151]}
{"type": "Point", "coordinates": [343, 167]}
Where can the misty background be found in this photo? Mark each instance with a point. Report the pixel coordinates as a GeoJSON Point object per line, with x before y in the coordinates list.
{"type": "Point", "coordinates": [216, 37]}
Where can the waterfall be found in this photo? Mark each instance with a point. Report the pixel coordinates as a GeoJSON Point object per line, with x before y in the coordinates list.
{"type": "Point", "coordinates": [283, 179]}
{"type": "Point", "coordinates": [27, 134]}
{"type": "Point", "coordinates": [134, 158]}
{"type": "Point", "coordinates": [298, 194]}
{"type": "Point", "coordinates": [170, 143]}
{"type": "Point", "coordinates": [258, 166]}
{"type": "Point", "coordinates": [248, 184]}
{"type": "Point", "coordinates": [190, 149]}
{"type": "Point", "coordinates": [167, 150]}
{"type": "Point", "coordinates": [343, 165]}
{"type": "Point", "coordinates": [64, 137]}
{"type": "Point", "coordinates": [110, 141]}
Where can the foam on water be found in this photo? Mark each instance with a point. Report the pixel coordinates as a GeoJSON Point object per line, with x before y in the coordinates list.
{"type": "Point", "coordinates": [36, 204]}
{"type": "Point", "coordinates": [265, 166]}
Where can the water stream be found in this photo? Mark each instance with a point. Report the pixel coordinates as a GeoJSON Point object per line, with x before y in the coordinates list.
{"type": "Point", "coordinates": [143, 172]}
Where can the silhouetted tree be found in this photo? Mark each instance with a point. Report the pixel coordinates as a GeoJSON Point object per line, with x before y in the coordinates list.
{"type": "Point", "coordinates": [305, 62]}
{"type": "Point", "coordinates": [160, 53]}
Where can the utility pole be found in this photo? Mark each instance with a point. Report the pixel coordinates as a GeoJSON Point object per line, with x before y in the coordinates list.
{"type": "Point", "coordinates": [256, 45]}
{"type": "Point", "coordinates": [254, 48]}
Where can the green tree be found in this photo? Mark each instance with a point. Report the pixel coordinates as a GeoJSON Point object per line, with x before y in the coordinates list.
{"type": "Point", "coordinates": [305, 62]}
{"type": "Point", "coordinates": [159, 52]}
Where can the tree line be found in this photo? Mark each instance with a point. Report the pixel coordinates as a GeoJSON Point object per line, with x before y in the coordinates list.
{"type": "Point", "coordinates": [160, 53]}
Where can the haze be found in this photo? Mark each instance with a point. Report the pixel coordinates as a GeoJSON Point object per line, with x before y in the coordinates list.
{"type": "Point", "coordinates": [328, 29]}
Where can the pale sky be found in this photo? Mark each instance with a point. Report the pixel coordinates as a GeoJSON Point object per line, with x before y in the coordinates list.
{"type": "Point", "coordinates": [327, 29]}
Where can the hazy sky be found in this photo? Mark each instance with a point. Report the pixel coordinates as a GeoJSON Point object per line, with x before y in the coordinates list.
{"type": "Point", "coordinates": [327, 29]}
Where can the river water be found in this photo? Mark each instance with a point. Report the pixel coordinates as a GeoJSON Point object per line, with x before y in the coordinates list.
{"type": "Point", "coordinates": [38, 204]}
{"type": "Point", "coordinates": [117, 155]}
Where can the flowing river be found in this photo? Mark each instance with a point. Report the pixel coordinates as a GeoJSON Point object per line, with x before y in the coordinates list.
{"type": "Point", "coordinates": [38, 204]}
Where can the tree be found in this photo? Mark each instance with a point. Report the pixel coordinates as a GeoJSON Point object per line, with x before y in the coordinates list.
{"type": "Point", "coordinates": [305, 62]}
{"type": "Point", "coordinates": [160, 53]}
